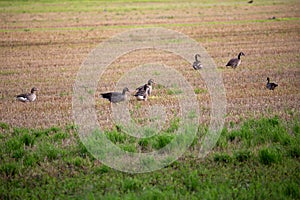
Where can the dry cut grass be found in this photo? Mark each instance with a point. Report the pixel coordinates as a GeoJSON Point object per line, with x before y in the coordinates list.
{"type": "Point", "coordinates": [44, 49]}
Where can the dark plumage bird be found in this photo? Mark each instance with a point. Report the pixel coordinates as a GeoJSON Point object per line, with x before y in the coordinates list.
{"type": "Point", "coordinates": [144, 91]}
{"type": "Point", "coordinates": [251, 1]}
{"type": "Point", "coordinates": [197, 64]}
{"type": "Point", "coordinates": [115, 97]}
{"type": "Point", "coordinates": [29, 97]}
{"type": "Point", "coordinates": [271, 86]}
{"type": "Point", "coordinates": [235, 62]}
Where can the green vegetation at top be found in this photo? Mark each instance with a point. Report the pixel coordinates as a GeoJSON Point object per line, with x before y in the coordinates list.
{"type": "Point", "coordinates": [258, 159]}
{"type": "Point", "coordinates": [80, 28]}
{"type": "Point", "coordinates": [44, 6]}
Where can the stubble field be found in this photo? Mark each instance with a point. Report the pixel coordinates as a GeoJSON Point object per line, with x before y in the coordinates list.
{"type": "Point", "coordinates": [43, 44]}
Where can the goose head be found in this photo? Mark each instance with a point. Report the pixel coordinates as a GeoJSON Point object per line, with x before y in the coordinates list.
{"type": "Point", "coordinates": [241, 54]}
{"type": "Point", "coordinates": [125, 90]}
{"type": "Point", "coordinates": [268, 79]}
{"type": "Point", "coordinates": [151, 81]}
{"type": "Point", "coordinates": [33, 90]}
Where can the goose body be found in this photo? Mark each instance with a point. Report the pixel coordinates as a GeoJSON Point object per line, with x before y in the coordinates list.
{"type": "Point", "coordinates": [197, 64]}
{"type": "Point", "coordinates": [115, 97]}
{"type": "Point", "coordinates": [144, 91]}
{"type": "Point", "coordinates": [28, 97]}
{"type": "Point", "coordinates": [271, 86]}
{"type": "Point", "coordinates": [235, 62]}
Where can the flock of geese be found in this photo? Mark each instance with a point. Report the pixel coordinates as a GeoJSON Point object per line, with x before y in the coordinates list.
{"type": "Point", "coordinates": [144, 91]}
{"type": "Point", "coordinates": [141, 93]}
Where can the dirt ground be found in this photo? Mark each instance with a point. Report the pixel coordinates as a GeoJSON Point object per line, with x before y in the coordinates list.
{"type": "Point", "coordinates": [45, 49]}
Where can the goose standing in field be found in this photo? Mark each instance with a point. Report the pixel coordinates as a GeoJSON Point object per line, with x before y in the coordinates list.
{"type": "Point", "coordinates": [144, 91]}
{"type": "Point", "coordinates": [115, 97]}
{"type": "Point", "coordinates": [235, 62]}
{"type": "Point", "coordinates": [251, 1]}
{"type": "Point", "coordinates": [271, 86]}
{"type": "Point", "coordinates": [197, 64]}
{"type": "Point", "coordinates": [28, 97]}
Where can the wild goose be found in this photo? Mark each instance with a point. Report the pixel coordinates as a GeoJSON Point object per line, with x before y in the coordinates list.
{"type": "Point", "coordinates": [29, 97]}
{"type": "Point", "coordinates": [144, 91]}
{"type": "Point", "coordinates": [271, 86]}
{"type": "Point", "coordinates": [251, 1]}
{"type": "Point", "coordinates": [197, 64]}
{"type": "Point", "coordinates": [235, 62]}
{"type": "Point", "coordinates": [115, 97]}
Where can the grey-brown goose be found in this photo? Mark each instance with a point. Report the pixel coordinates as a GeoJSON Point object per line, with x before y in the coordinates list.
{"type": "Point", "coordinates": [115, 97]}
{"type": "Point", "coordinates": [271, 86]}
{"type": "Point", "coordinates": [235, 62]}
{"type": "Point", "coordinates": [197, 64]}
{"type": "Point", "coordinates": [28, 97]}
{"type": "Point", "coordinates": [144, 91]}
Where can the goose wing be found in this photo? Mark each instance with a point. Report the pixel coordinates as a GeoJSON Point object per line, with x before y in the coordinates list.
{"type": "Point", "coordinates": [23, 97]}
{"type": "Point", "coordinates": [271, 86]}
{"type": "Point", "coordinates": [141, 87]}
{"type": "Point", "coordinates": [197, 65]}
{"type": "Point", "coordinates": [107, 95]}
{"type": "Point", "coordinates": [114, 97]}
{"type": "Point", "coordinates": [143, 92]}
{"type": "Point", "coordinates": [117, 97]}
{"type": "Point", "coordinates": [233, 62]}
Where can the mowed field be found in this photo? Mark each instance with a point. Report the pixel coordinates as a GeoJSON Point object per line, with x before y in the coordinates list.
{"type": "Point", "coordinates": [43, 44]}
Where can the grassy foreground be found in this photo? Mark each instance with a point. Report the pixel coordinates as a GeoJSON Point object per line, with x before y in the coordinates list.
{"type": "Point", "coordinates": [257, 160]}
